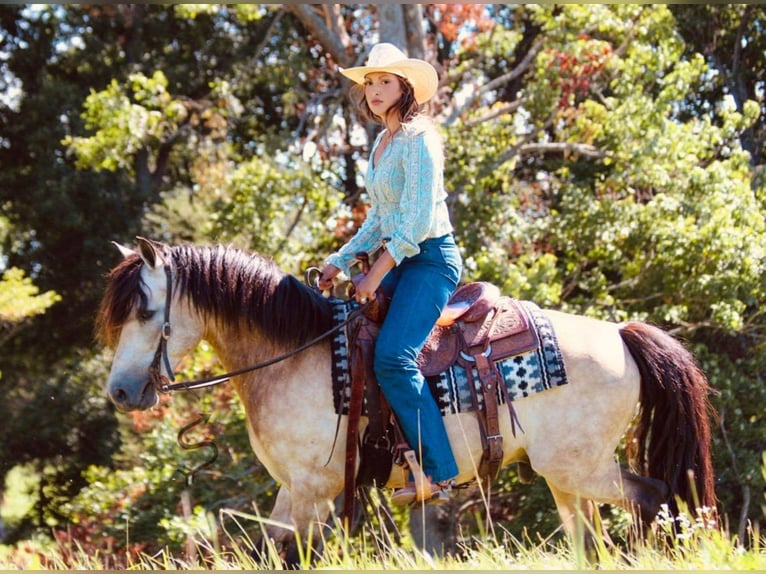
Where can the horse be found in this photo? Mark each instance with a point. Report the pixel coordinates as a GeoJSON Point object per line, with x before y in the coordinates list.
{"type": "Point", "coordinates": [630, 378]}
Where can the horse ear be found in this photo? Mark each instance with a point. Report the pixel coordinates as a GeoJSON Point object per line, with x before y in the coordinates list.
{"type": "Point", "coordinates": [147, 250]}
{"type": "Point", "coordinates": [125, 251]}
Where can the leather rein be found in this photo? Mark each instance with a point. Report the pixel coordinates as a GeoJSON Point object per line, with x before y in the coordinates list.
{"type": "Point", "coordinates": [167, 384]}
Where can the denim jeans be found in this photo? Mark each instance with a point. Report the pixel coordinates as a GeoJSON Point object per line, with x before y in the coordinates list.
{"type": "Point", "coordinates": [420, 287]}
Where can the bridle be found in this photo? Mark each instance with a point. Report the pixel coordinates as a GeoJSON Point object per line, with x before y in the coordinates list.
{"type": "Point", "coordinates": [161, 382]}
{"type": "Point", "coordinates": [167, 384]}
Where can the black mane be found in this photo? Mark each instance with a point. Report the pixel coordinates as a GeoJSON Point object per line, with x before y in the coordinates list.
{"type": "Point", "coordinates": [235, 288]}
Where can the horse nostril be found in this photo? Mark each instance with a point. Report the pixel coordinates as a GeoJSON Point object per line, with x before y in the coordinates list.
{"type": "Point", "coordinates": [120, 396]}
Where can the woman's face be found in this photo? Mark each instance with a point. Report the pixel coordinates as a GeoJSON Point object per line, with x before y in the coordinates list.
{"type": "Point", "coordinates": [381, 90]}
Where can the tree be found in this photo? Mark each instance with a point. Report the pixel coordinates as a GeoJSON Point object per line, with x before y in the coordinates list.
{"type": "Point", "coordinates": [730, 39]}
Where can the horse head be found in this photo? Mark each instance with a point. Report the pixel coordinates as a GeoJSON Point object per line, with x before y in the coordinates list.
{"type": "Point", "coordinates": [135, 318]}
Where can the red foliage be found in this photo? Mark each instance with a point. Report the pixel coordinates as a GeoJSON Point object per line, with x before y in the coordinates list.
{"type": "Point", "coordinates": [450, 18]}
{"type": "Point", "coordinates": [144, 420]}
{"type": "Point", "coordinates": [576, 70]}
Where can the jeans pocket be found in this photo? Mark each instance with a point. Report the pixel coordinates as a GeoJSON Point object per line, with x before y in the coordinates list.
{"type": "Point", "coordinates": [454, 262]}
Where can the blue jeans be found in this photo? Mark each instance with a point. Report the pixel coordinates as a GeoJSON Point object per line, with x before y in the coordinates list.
{"type": "Point", "coordinates": [419, 287]}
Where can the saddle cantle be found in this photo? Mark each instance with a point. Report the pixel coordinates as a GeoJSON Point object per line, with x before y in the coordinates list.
{"type": "Point", "coordinates": [470, 303]}
{"type": "Point", "coordinates": [477, 308]}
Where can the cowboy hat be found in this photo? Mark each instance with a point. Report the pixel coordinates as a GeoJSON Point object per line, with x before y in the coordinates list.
{"type": "Point", "coordinates": [388, 58]}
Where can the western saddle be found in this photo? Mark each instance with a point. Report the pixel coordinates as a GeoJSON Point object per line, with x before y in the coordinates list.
{"type": "Point", "coordinates": [477, 328]}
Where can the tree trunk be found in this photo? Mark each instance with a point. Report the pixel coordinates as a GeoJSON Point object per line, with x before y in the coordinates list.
{"type": "Point", "coordinates": [326, 33]}
{"type": "Point", "coordinates": [391, 24]}
{"type": "Point", "coordinates": [416, 34]}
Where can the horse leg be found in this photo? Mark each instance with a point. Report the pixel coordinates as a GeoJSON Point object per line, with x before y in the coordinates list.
{"type": "Point", "coordinates": [646, 495]}
{"type": "Point", "coordinates": [641, 496]}
{"type": "Point", "coordinates": [296, 519]}
{"type": "Point", "coordinates": [280, 537]}
{"type": "Point", "coordinates": [578, 516]}
{"type": "Point", "coordinates": [311, 500]}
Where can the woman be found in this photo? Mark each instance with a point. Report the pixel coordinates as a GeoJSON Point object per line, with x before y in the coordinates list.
{"type": "Point", "coordinates": [419, 265]}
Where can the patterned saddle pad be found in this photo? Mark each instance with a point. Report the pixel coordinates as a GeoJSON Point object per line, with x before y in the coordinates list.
{"type": "Point", "coordinates": [524, 374]}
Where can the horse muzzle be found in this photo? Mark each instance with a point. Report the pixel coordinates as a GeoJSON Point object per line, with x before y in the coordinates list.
{"type": "Point", "coordinates": [133, 395]}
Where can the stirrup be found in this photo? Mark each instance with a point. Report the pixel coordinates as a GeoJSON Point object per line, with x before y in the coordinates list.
{"type": "Point", "coordinates": [408, 496]}
{"type": "Point", "coordinates": [421, 489]}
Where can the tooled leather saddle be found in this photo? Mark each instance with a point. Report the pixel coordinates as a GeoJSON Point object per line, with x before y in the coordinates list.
{"type": "Point", "coordinates": [478, 327]}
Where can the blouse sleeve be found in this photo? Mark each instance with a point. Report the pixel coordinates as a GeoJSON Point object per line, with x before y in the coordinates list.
{"type": "Point", "coordinates": [367, 238]}
{"type": "Point", "coordinates": [422, 165]}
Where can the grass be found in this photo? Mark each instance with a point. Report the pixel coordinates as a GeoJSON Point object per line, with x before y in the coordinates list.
{"type": "Point", "coordinates": [680, 544]}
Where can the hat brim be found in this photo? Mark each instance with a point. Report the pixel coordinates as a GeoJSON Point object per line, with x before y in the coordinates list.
{"type": "Point", "coordinates": [420, 74]}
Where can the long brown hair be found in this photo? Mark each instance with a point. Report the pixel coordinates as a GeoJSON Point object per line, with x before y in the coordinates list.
{"type": "Point", "coordinates": [406, 108]}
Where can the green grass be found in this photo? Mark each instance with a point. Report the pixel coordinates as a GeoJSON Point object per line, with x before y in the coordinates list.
{"type": "Point", "coordinates": [691, 545]}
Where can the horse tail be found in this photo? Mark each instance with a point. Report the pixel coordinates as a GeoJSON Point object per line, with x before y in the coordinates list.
{"type": "Point", "coordinates": [671, 440]}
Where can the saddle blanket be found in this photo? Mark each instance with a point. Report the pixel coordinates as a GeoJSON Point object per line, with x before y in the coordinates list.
{"type": "Point", "coordinates": [524, 374]}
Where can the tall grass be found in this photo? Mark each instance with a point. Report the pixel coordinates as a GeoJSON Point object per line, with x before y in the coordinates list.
{"type": "Point", "coordinates": [674, 544]}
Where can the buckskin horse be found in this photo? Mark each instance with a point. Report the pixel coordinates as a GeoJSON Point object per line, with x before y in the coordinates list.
{"type": "Point", "coordinates": [620, 377]}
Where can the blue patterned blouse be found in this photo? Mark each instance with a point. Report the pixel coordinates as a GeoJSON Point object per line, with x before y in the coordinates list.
{"type": "Point", "coordinates": [407, 196]}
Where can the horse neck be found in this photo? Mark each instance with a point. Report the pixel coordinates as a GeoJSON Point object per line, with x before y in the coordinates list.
{"type": "Point", "coordinates": [238, 348]}
{"type": "Point", "coordinates": [290, 379]}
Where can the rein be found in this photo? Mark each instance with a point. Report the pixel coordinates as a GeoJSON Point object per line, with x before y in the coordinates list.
{"type": "Point", "coordinates": [167, 384]}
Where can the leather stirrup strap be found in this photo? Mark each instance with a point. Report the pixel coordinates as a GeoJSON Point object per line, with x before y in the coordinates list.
{"type": "Point", "coordinates": [356, 400]}
{"type": "Point", "coordinates": [489, 378]}
{"type": "Point", "coordinates": [493, 452]}
{"type": "Point", "coordinates": [515, 422]}
{"type": "Point", "coordinates": [378, 409]}
{"type": "Point", "coordinates": [476, 406]}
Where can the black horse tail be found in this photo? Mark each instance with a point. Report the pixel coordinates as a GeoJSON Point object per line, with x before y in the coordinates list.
{"type": "Point", "coordinates": [671, 440]}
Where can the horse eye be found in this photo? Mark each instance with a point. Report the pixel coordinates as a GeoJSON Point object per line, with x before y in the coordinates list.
{"type": "Point", "coordinates": [145, 315]}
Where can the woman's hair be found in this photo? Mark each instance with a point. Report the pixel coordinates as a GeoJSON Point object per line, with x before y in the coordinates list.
{"type": "Point", "coordinates": [407, 107]}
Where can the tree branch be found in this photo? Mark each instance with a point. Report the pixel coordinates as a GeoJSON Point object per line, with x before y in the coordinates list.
{"type": "Point", "coordinates": [585, 150]}
{"type": "Point", "coordinates": [324, 35]}
{"type": "Point", "coordinates": [498, 82]}
{"type": "Point", "coordinates": [498, 111]}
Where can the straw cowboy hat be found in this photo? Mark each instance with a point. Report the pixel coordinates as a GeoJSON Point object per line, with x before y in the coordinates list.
{"type": "Point", "coordinates": [386, 57]}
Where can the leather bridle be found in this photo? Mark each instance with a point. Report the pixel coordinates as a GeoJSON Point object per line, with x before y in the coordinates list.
{"type": "Point", "coordinates": [162, 382]}
{"type": "Point", "coordinates": [167, 384]}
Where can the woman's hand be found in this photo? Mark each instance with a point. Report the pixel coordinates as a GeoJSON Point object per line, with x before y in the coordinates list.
{"type": "Point", "coordinates": [365, 289]}
{"type": "Point", "coordinates": [326, 276]}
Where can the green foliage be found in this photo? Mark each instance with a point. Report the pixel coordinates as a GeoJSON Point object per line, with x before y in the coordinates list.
{"type": "Point", "coordinates": [242, 12]}
{"type": "Point", "coordinates": [730, 38]}
{"type": "Point", "coordinates": [274, 208]}
{"type": "Point", "coordinates": [740, 442]}
{"type": "Point", "coordinates": [20, 300]}
{"type": "Point", "coordinates": [72, 427]}
{"type": "Point", "coordinates": [126, 122]}
{"type": "Point", "coordinates": [661, 229]}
